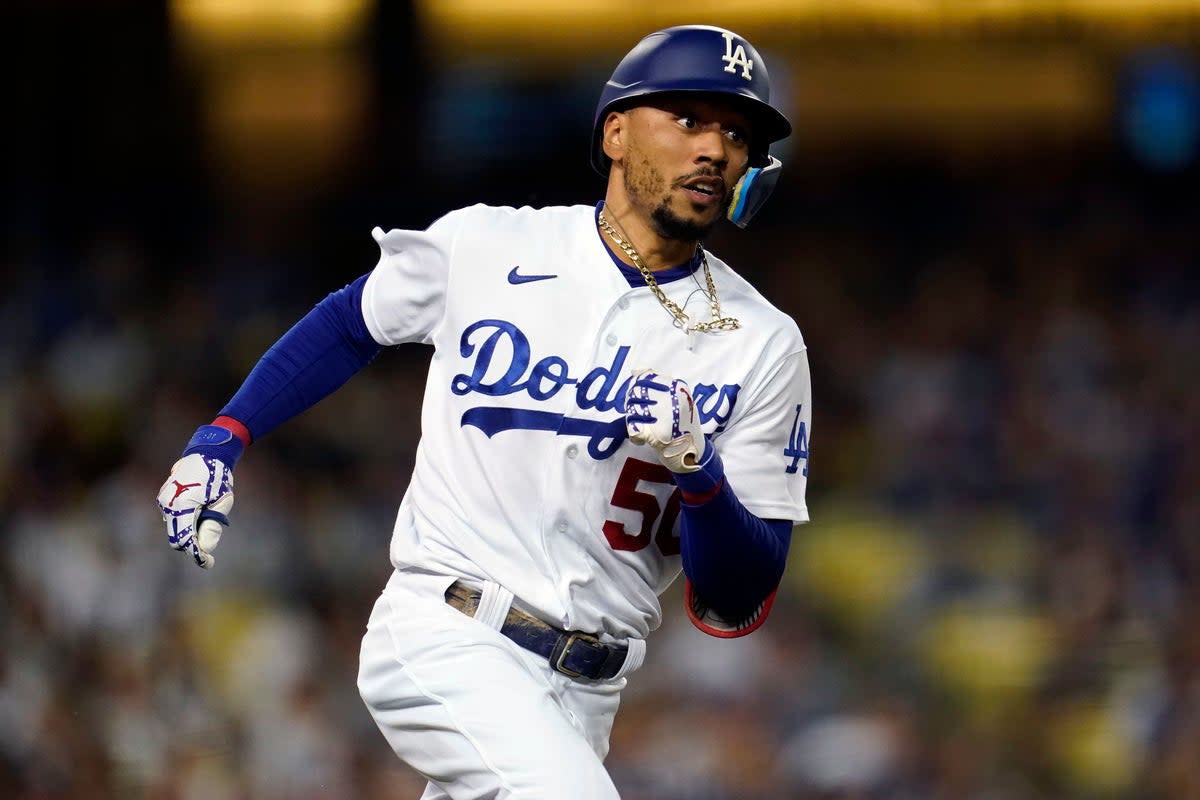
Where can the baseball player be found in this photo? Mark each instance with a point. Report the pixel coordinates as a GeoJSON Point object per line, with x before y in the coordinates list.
{"type": "Point", "coordinates": [608, 405]}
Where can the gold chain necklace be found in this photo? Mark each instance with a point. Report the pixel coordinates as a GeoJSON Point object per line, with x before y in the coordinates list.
{"type": "Point", "coordinates": [717, 323]}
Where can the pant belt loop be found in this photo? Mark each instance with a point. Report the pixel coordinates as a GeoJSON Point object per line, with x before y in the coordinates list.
{"type": "Point", "coordinates": [634, 658]}
{"type": "Point", "coordinates": [494, 603]}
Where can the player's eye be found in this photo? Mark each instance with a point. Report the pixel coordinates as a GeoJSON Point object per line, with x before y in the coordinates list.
{"type": "Point", "coordinates": [688, 121]}
{"type": "Point", "coordinates": [735, 135]}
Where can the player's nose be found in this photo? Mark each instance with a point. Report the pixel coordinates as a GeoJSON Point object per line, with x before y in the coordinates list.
{"type": "Point", "coordinates": [711, 146]}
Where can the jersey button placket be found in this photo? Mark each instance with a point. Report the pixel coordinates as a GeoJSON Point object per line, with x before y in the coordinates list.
{"type": "Point", "coordinates": [573, 451]}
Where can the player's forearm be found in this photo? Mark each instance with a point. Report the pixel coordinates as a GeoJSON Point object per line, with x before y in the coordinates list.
{"type": "Point", "coordinates": [733, 558]}
{"type": "Point", "coordinates": [312, 360]}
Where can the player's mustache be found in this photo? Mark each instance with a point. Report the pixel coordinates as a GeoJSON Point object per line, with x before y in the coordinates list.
{"type": "Point", "coordinates": [711, 174]}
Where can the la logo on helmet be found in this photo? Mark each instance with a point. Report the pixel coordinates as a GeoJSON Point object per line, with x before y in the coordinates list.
{"type": "Point", "coordinates": [735, 56]}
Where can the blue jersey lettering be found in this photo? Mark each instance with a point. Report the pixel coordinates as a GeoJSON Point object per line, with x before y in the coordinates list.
{"type": "Point", "coordinates": [601, 389]}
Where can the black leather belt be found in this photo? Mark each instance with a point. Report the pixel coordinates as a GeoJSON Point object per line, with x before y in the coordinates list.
{"type": "Point", "coordinates": [574, 654]}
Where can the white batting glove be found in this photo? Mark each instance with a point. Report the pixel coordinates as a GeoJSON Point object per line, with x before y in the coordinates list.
{"type": "Point", "coordinates": [195, 502]}
{"type": "Point", "coordinates": [659, 412]}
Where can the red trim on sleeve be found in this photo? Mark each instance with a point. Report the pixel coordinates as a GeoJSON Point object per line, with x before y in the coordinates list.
{"type": "Point", "coordinates": [236, 428]}
{"type": "Point", "coordinates": [699, 499]}
{"type": "Point", "coordinates": [690, 602]}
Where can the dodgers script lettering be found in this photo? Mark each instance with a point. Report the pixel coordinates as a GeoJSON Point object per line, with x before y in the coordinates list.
{"type": "Point", "coordinates": [602, 388]}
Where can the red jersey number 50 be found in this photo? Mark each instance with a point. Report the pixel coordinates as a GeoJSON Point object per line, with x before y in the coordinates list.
{"type": "Point", "coordinates": [627, 495]}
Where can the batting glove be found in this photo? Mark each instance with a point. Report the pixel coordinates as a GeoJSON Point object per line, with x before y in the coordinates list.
{"type": "Point", "coordinates": [197, 496]}
{"type": "Point", "coordinates": [659, 412]}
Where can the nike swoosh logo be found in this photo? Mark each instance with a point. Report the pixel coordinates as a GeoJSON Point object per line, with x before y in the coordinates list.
{"type": "Point", "coordinates": [515, 278]}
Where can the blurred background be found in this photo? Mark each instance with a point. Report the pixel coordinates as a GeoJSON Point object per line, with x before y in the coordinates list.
{"type": "Point", "coordinates": [987, 231]}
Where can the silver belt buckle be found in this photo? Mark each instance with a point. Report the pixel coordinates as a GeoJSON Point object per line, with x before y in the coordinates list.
{"type": "Point", "coordinates": [571, 639]}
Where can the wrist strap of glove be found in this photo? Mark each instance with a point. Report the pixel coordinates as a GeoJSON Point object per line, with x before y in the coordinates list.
{"type": "Point", "coordinates": [221, 442]}
{"type": "Point", "coordinates": [702, 485]}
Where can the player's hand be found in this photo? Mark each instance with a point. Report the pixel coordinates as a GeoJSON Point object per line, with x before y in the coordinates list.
{"type": "Point", "coordinates": [195, 502]}
{"type": "Point", "coordinates": [659, 412]}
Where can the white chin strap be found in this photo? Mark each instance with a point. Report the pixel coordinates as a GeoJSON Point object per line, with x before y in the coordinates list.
{"type": "Point", "coordinates": [752, 192]}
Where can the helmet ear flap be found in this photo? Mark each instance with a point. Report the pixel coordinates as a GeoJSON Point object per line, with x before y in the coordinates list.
{"type": "Point", "coordinates": [752, 191]}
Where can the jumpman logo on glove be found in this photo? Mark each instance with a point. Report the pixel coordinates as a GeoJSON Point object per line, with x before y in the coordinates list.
{"type": "Point", "coordinates": [180, 488]}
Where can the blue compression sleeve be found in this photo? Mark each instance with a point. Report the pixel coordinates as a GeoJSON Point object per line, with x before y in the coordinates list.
{"type": "Point", "coordinates": [733, 558]}
{"type": "Point", "coordinates": [309, 362]}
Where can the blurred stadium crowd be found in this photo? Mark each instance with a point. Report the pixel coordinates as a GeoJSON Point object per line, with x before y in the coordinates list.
{"type": "Point", "coordinates": [996, 599]}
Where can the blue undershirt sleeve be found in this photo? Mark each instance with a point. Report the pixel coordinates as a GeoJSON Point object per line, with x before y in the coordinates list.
{"type": "Point", "coordinates": [733, 558]}
{"type": "Point", "coordinates": [313, 359]}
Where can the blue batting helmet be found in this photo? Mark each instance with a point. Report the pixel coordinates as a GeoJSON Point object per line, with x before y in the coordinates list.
{"type": "Point", "coordinates": [694, 58]}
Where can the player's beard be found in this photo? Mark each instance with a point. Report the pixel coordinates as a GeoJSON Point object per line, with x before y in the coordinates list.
{"type": "Point", "coordinates": [671, 226]}
{"type": "Point", "coordinates": [643, 182]}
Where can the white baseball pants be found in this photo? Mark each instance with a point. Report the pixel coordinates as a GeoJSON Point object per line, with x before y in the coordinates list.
{"type": "Point", "coordinates": [480, 717]}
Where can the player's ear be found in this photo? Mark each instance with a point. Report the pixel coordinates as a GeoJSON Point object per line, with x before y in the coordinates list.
{"type": "Point", "coordinates": [615, 131]}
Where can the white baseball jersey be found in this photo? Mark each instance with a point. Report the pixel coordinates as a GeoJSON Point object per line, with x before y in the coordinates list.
{"type": "Point", "coordinates": [524, 475]}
